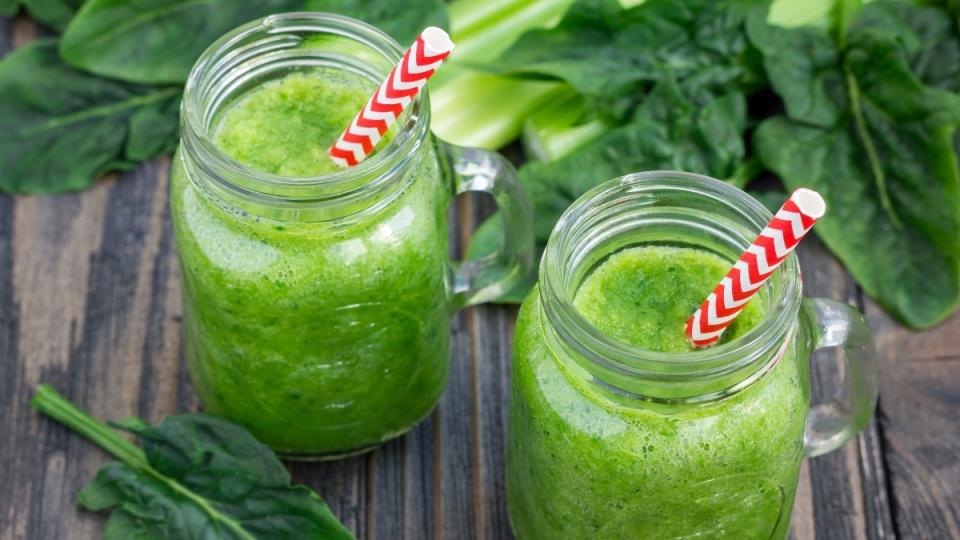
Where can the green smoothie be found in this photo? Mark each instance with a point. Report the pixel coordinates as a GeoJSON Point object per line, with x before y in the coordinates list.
{"type": "Point", "coordinates": [322, 337]}
{"type": "Point", "coordinates": [583, 463]}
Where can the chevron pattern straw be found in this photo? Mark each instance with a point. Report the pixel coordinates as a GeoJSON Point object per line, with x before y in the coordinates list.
{"type": "Point", "coordinates": [405, 80]}
{"type": "Point", "coordinates": [790, 224]}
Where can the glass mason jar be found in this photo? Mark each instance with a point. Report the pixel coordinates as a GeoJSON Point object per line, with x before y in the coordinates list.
{"type": "Point", "coordinates": [317, 309]}
{"type": "Point", "coordinates": [607, 440]}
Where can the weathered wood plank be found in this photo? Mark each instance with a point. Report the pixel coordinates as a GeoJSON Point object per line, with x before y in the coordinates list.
{"type": "Point", "coordinates": [88, 272]}
{"type": "Point", "coordinates": [491, 331]}
{"type": "Point", "coordinates": [920, 397]}
{"type": "Point", "coordinates": [420, 487]}
{"type": "Point", "coordinates": [846, 495]}
{"type": "Point", "coordinates": [491, 328]}
{"type": "Point", "coordinates": [454, 511]}
{"type": "Point", "coordinates": [343, 485]}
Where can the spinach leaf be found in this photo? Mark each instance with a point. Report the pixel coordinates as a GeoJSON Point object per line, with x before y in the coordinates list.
{"type": "Point", "coordinates": [668, 131]}
{"type": "Point", "coordinates": [60, 128]}
{"type": "Point", "coordinates": [158, 41]}
{"type": "Point", "coordinates": [402, 20]}
{"type": "Point", "coordinates": [611, 53]}
{"type": "Point", "coordinates": [929, 37]}
{"type": "Point", "coordinates": [198, 476]}
{"type": "Point", "coordinates": [53, 13]}
{"type": "Point", "coordinates": [154, 41]}
{"type": "Point", "coordinates": [883, 158]}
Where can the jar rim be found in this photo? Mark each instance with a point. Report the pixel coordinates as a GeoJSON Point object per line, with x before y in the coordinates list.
{"type": "Point", "coordinates": [746, 354]}
{"type": "Point", "coordinates": [379, 169]}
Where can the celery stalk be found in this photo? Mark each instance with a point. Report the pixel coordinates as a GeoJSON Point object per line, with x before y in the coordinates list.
{"type": "Point", "coordinates": [474, 110]}
{"type": "Point", "coordinates": [488, 111]}
{"type": "Point", "coordinates": [560, 127]}
{"type": "Point", "coordinates": [470, 108]}
{"type": "Point", "coordinates": [487, 40]}
{"type": "Point", "coordinates": [466, 16]}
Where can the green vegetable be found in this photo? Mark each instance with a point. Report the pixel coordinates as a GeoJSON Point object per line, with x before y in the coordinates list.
{"type": "Point", "coordinates": [561, 126]}
{"type": "Point", "coordinates": [668, 131]}
{"type": "Point", "coordinates": [402, 20]}
{"type": "Point", "coordinates": [927, 34]}
{"type": "Point", "coordinates": [865, 131]}
{"type": "Point", "coordinates": [154, 41]}
{"type": "Point", "coordinates": [609, 53]}
{"type": "Point", "coordinates": [53, 13]}
{"type": "Point", "coordinates": [691, 111]}
{"type": "Point", "coordinates": [60, 128]}
{"type": "Point", "coordinates": [197, 476]}
{"type": "Point", "coordinates": [158, 41]}
{"type": "Point", "coordinates": [613, 56]}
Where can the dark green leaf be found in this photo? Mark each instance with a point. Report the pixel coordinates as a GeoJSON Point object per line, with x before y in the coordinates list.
{"type": "Point", "coordinates": [208, 477]}
{"type": "Point", "coordinates": [886, 168]}
{"type": "Point", "coordinates": [668, 131]}
{"type": "Point", "coordinates": [402, 20]}
{"type": "Point", "coordinates": [802, 67]}
{"type": "Point", "coordinates": [608, 52]}
{"type": "Point", "coordinates": [158, 41]}
{"type": "Point", "coordinates": [53, 13]}
{"type": "Point", "coordinates": [61, 128]}
{"type": "Point", "coordinates": [930, 38]}
{"type": "Point", "coordinates": [154, 41]}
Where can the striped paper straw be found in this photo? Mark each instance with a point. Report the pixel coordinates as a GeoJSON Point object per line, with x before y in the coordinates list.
{"type": "Point", "coordinates": [403, 83]}
{"type": "Point", "coordinates": [790, 224]}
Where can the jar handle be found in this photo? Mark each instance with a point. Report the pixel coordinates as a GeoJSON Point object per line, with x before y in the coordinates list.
{"type": "Point", "coordinates": [487, 278]}
{"type": "Point", "coordinates": [831, 424]}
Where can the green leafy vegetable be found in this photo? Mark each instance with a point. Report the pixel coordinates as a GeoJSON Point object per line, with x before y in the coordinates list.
{"type": "Point", "coordinates": [668, 131]}
{"type": "Point", "coordinates": [197, 476]}
{"type": "Point", "coordinates": [154, 41]}
{"type": "Point", "coordinates": [928, 35]}
{"type": "Point", "coordinates": [862, 129]}
{"type": "Point", "coordinates": [53, 13]}
{"type": "Point", "coordinates": [608, 52]}
{"type": "Point", "coordinates": [60, 128]}
{"type": "Point", "coordinates": [402, 20]}
{"type": "Point", "coordinates": [158, 41]}
{"type": "Point", "coordinates": [687, 68]}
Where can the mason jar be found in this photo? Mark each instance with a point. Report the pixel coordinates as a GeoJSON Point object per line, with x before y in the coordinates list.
{"type": "Point", "coordinates": [317, 309]}
{"type": "Point", "coordinates": [608, 440]}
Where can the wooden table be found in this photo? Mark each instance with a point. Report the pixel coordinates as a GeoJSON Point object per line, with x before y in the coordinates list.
{"type": "Point", "coordinates": [90, 302]}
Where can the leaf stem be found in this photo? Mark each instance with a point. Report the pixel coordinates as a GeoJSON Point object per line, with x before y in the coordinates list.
{"type": "Point", "coordinates": [879, 176]}
{"type": "Point", "coordinates": [50, 402]}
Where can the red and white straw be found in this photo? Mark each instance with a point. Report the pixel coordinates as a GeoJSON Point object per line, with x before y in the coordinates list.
{"type": "Point", "coordinates": [790, 224]}
{"type": "Point", "coordinates": [418, 64]}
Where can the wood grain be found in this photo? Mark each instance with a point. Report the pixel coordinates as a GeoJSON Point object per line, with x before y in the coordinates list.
{"type": "Point", "coordinates": [840, 496]}
{"type": "Point", "coordinates": [90, 302]}
{"type": "Point", "coordinates": [920, 399]}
